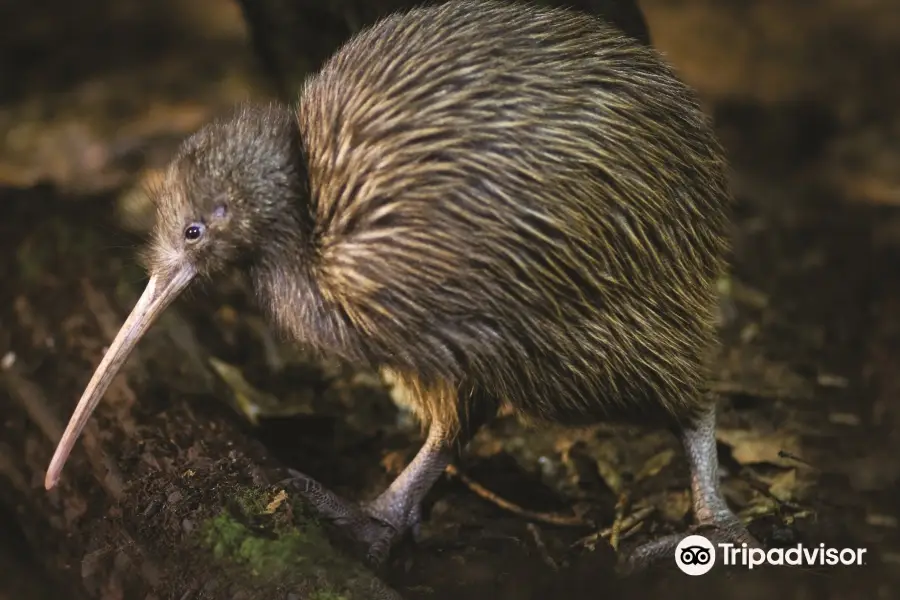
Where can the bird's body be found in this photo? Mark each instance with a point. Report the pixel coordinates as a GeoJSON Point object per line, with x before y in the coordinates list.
{"type": "Point", "coordinates": [495, 203]}
{"type": "Point", "coordinates": [527, 203]}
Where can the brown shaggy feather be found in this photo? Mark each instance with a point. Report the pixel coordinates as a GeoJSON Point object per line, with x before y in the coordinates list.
{"type": "Point", "coordinates": [482, 198]}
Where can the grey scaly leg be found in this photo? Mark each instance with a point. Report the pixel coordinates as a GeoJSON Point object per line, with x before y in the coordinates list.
{"type": "Point", "coordinates": [380, 523]}
{"type": "Point", "coordinates": [713, 517]}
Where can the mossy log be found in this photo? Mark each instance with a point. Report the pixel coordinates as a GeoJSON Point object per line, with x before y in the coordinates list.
{"type": "Point", "coordinates": [166, 495]}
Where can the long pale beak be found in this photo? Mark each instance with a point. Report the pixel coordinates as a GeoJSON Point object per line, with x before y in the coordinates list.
{"type": "Point", "coordinates": [161, 290]}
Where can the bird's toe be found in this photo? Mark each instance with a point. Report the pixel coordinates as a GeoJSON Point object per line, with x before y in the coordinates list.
{"type": "Point", "coordinates": [724, 530]}
{"type": "Point", "coordinates": [374, 534]}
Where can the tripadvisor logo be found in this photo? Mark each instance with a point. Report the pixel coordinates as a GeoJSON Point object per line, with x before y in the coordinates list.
{"type": "Point", "coordinates": [796, 556]}
{"type": "Point", "coordinates": [696, 555]}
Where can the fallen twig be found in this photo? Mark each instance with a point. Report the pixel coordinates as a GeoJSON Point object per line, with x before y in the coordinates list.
{"type": "Point", "coordinates": [486, 494]}
{"type": "Point", "coordinates": [628, 526]}
{"type": "Point", "coordinates": [541, 546]}
{"type": "Point", "coordinates": [615, 531]}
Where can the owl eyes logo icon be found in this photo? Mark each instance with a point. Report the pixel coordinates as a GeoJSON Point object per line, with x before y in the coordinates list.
{"type": "Point", "coordinates": [695, 555]}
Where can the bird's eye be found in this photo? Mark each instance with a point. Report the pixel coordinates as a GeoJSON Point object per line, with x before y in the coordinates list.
{"type": "Point", "coordinates": [193, 232]}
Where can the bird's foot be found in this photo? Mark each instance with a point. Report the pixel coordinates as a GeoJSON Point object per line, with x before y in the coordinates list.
{"type": "Point", "coordinates": [725, 528]}
{"type": "Point", "coordinates": [371, 525]}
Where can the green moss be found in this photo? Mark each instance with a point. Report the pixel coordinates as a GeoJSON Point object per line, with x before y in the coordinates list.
{"type": "Point", "coordinates": [232, 540]}
{"type": "Point", "coordinates": [252, 501]}
{"type": "Point", "coordinates": [275, 550]}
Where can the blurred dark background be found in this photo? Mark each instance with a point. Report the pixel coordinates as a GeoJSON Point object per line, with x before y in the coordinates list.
{"type": "Point", "coordinates": [95, 95]}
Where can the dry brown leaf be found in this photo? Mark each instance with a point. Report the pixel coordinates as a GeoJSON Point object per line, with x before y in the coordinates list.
{"type": "Point", "coordinates": [784, 485]}
{"type": "Point", "coordinates": [676, 506]}
{"type": "Point", "coordinates": [277, 501]}
{"type": "Point", "coordinates": [750, 447]}
{"type": "Point", "coordinates": [655, 464]}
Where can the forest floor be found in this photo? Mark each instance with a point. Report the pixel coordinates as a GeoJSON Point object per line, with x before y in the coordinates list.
{"type": "Point", "coordinates": [810, 419]}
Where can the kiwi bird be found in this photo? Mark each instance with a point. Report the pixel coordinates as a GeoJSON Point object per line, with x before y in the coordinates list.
{"type": "Point", "coordinates": [495, 204]}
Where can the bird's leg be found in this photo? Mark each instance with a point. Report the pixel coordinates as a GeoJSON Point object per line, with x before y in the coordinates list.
{"type": "Point", "coordinates": [714, 519]}
{"type": "Point", "coordinates": [380, 523]}
{"type": "Point", "coordinates": [400, 504]}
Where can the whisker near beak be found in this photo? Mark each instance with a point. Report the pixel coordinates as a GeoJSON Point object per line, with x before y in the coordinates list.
{"type": "Point", "coordinates": [161, 291]}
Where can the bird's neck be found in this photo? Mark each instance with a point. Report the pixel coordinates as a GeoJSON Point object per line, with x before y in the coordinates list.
{"type": "Point", "coordinates": [287, 279]}
{"type": "Point", "coordinates": [288, 288]}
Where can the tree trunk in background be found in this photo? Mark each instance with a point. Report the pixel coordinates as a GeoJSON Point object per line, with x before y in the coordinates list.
{"type": "Point", "coordinates": [294, 37]}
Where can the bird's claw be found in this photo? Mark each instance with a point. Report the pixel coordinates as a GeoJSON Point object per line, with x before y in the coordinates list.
{"type": "Point", "coordinates": [726, 529]}
{"type": "Point", "coordinates": [361, 523]}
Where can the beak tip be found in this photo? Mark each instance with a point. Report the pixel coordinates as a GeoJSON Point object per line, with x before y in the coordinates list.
{"type": "Point", "coordinates": [51, 478]}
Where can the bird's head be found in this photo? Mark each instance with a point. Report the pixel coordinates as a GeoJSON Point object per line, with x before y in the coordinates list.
{"type": "Point", "coordinates": [232, 190]}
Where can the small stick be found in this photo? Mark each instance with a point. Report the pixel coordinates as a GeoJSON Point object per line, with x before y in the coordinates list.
{"type": "Point", "coordinates": [616, 528]}
{"type": "Point", "coordinates": [486, 494]}
{"type": "Point", "coordinates": [789, 456]}
{"type": "Point", "coordinates": [541, 546]}
{"type": "Point", "coordinates": [31, 398]}
{"type": "Point", "coordinates": [627, 525]}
